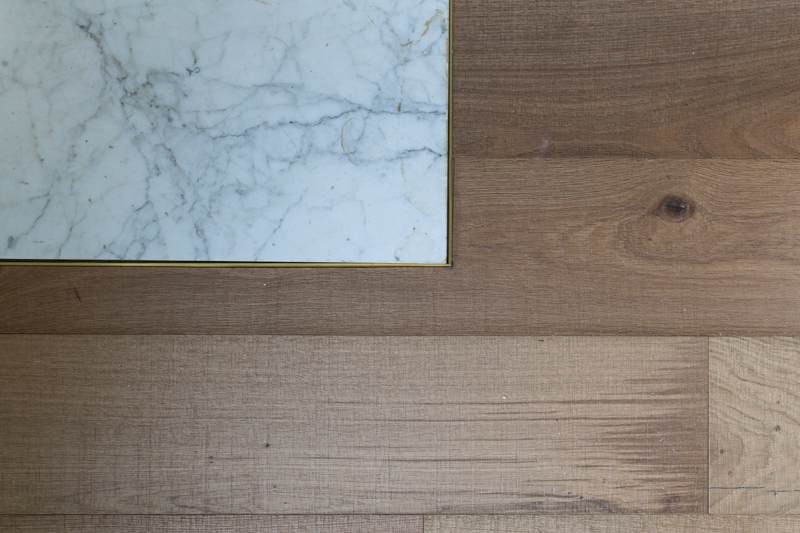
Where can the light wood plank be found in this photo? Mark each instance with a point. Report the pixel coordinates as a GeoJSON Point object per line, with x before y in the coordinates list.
{"type": "Point", "coordinates": [216, 524]}
{"type": "Point", "coordinates": [640, 78]}
{"type": "Point", "coordinates": [541, 247]}
{"type": "Point", "coordinates": [611, 524]}
{"type": "Point", "coordinates": [287, 425]}
{"type": "Point", "coordinates": [754, 426]}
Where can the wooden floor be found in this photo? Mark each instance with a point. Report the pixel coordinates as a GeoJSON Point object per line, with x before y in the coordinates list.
{"type": "Point", "coordinates": [616, 348]}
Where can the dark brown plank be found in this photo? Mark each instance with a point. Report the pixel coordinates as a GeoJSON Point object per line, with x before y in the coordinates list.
{"type": "Point", "coordinates": [611, 524]}
{"type": "Point", "coordinates": [551, 246]}
{"type": "Point", "coordinates": [627, 78]}
{"type": "Point", "coordinates": [211, 524]}
{"type": "Point", "coordinates": [366, 425]}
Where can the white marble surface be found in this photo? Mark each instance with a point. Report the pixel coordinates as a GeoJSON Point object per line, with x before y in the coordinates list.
{"type": "Point", "coordinates": [235, 130]}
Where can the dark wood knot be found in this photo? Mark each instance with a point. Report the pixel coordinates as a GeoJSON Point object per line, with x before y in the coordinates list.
{"type": "Point", "coordinates": [675, 207]}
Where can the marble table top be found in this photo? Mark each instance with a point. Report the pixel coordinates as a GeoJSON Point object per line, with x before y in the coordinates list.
{"type": "Point", "coordinates": [233, 131]}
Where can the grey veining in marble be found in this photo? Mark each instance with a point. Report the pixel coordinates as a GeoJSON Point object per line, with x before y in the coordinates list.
{"type": "Point", "coordinates": [210, 130]}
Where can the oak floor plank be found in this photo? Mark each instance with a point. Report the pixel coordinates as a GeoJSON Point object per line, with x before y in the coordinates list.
{"type": "Point", "coordinates": [365, 425]}
{"type": "Point", "coordinates": [400, 524]}
{"type": "Point", "coordinates": [754, 428]}
{"type": "Point", "coordinates": [634, 78]}
{"type": "Point", "coordinates": [612, 524]}
{"type": "Point", "coordinates": [209, 524]}
{"type": "Point", "coordinates": [542, 247]}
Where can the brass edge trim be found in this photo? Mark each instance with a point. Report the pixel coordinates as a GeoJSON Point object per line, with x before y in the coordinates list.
{"type": "Point", "coordinates": [450, 178]}
{"type": "Point", "coordinates": [223, 264]}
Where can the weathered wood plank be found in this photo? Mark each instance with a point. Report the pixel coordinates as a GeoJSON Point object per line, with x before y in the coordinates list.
{"type": "Point", "coordinates": [294, 425]}
{"type": "Point", "coordinates": [755, 431]}
{"type": "Point", "coordinates": [611, 524]}
{"type": "Point", "coordinates": [209, 524]}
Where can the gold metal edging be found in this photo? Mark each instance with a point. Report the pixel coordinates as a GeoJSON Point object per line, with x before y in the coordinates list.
{"type": "Point", "coordinates": [450, 193]}
{"type": "Point", "coordinates": [228, 264]}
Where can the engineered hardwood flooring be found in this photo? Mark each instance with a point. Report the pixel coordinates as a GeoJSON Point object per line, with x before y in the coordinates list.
{"type": "Point", "coordinates": [209, 524]}
{"type": "Point", "coordinates": [611, 524]}
{"type": "Point", "coordinates": [401, 524]}
{"type": "Point", "coordinates": [354, 425]}
{"type": "Point", "coordinates": [640, 79]}
{"type": "Point", "coordinates": [624, 169]}
{"type": "Point", "coordinates": [755, 431]}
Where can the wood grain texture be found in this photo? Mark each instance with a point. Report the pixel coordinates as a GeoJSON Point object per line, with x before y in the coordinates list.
{"type": "Point", "coordinates": [554, 247]}
{"type": "Point", "coordinates": [294, 425]}
{"type": "Point", "coordinates": [209, 524]}
{"type": "Point", "coordinates": [632, 78]}
{"type": "Point", "coordinates": [754, 425]}
{"type": "Point", "coordinates": [611, 524]}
